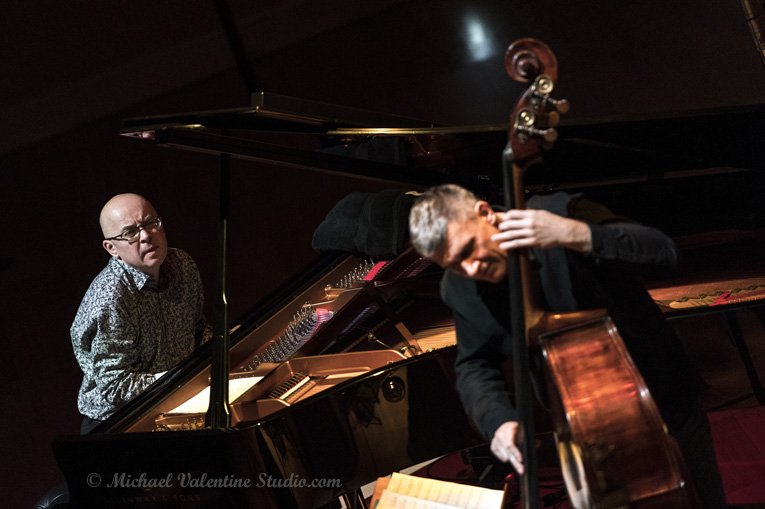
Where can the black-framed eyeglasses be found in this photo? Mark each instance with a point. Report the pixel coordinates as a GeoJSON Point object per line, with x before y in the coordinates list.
{"type": "Point", "coordinates": [134, 232]}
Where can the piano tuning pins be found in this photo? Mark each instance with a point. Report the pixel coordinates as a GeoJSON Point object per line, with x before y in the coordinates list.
{"type": "Point", "coordinates": [191, 424]}
{"type": "Point", "coordinates": [350, 279]}
{"type": "Point", "coordinates": [297, 332]}
{"type": "Point", "coordinates": [365, 268]}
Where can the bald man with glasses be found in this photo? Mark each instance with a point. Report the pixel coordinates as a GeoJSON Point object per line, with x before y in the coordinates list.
{"type": "Point", "coordinates": [141, 315]}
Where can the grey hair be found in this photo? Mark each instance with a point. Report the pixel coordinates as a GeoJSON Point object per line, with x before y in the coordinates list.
{"type": "Point", "coordinates": [432, 212]}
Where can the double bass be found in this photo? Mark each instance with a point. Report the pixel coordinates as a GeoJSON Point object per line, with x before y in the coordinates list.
{"type": "Point", "coordinates": [613, 445]}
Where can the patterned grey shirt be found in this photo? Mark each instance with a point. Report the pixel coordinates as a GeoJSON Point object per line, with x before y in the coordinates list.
{"type": "Point", "coordinates": [130, 329]}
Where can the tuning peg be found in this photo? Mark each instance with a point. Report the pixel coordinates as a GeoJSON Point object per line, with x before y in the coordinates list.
{"type": "Point", "coordinates": [549, 119]}
{"type": "Point", "coordinates": [541, 90]}
{"type": "Point", "coordinates": [548, 136]}
{"type": "Point", "coordinates": [562, 106]}
{"type": "Point", "coordinates": [524, 128]}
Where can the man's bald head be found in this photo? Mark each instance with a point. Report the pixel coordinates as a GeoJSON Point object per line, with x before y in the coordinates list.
{"type": "Point", "coordinates": [112, 213]}
{"type": "Point", "coordinates": [133, 213]}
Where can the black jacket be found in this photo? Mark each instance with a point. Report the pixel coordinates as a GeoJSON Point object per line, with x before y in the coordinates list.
{"type": "Point", "coordinates": [608, 277]}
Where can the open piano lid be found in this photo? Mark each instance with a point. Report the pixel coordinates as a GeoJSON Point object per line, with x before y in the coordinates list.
{"type": "Point", "coordinates": [589, 152]}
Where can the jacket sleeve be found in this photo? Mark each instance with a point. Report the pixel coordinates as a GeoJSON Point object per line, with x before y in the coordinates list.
{"type": "Point", "coordinates": [620, 240]}
{"type": "Point", "coordinates": [480, 380]}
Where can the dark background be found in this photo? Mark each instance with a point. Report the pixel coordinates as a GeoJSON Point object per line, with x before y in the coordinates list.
{"type": "Point", "coordinates": [72, 70]}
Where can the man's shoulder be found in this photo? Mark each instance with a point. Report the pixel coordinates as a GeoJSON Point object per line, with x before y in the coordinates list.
{"type": "Point", "coordinates": [179, 270]}
{"type": "Point", "coordinates": [110, 278]}
{"type": "Point", "coordinates": [108, 287]}
{"type": "Point", "coordinates": [179, 258]}
{"type": "Point", "coordinates": [456, 291]}
{"type": "Point", "coordinates": [178, 253]}
{"type": "Point", "coordinates": [475, 305]}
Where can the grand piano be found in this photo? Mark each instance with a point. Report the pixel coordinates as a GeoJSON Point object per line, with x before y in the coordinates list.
{"type": "Point", "coordinates": [345, 374]}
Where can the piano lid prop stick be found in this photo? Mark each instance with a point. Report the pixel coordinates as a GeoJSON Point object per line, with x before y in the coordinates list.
{"type": "Point", "coordinates": [219, 411]}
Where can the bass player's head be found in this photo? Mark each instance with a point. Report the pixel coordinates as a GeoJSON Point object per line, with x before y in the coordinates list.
{"type": "Point", "coordinates": [452, 227]}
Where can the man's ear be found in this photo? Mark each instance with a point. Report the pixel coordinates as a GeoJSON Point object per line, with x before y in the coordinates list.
{"type": "Point", "coordinates": [109, 246]}
{"type": "Point", "coordinates": [484, 211]}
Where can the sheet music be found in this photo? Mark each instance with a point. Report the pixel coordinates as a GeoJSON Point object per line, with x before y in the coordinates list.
{"type": "Point", "coordinates": [443, 494]}
{"type": "Point", "coordinates": [199, 403]}
{"type": "Point", "coordinates": [392, 500]}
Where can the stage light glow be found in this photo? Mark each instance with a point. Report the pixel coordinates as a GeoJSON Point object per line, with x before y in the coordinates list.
{"type": "Point", "coordinates": [479, 39]}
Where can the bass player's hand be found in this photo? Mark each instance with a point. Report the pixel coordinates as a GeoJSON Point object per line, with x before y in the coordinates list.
{"type": "Point", "coordinates": [504, 448]}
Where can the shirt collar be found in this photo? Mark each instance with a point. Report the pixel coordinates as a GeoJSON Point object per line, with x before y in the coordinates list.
{"type": "Point", "coordinates": [141, 279]}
